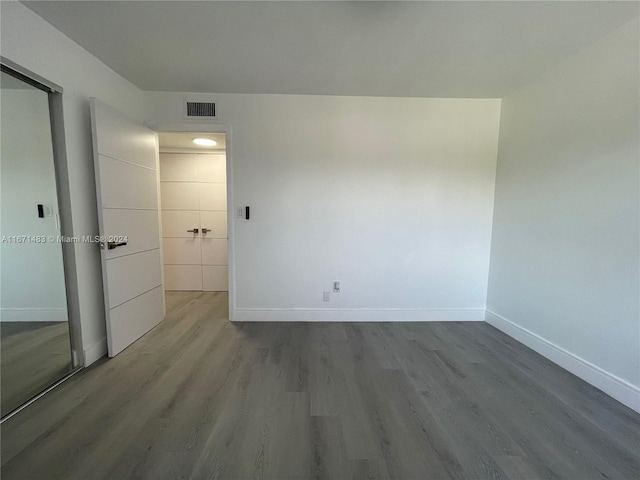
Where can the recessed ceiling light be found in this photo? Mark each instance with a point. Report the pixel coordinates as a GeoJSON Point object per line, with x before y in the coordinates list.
{"type": "Point", "coordinates": [205, 142]}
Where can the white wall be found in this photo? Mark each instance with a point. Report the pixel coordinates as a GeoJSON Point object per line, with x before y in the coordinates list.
{"type": "Point", "coordinates": [34, 44]}
{"type": "Point", "coordinates": [393, 197]}
{"type": "Point", "coordinates": [32, 273]}
{"type": "Point", "coordinates": [565, 269]}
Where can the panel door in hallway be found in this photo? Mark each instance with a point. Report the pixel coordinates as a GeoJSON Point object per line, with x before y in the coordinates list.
{"type": "Point", "coordinates": [194, 221]}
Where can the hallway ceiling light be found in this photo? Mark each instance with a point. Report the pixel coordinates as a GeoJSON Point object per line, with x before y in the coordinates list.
{"type": "Point", "coordinates": [205, 142]}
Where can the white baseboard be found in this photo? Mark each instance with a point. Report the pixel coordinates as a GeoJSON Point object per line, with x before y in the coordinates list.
{"type": "Point", "coordinates": [33, 314]}
{"type": "Point", "coordinates": [357, 315]}
{"type": "Point", "coordinates": [95, 352]}
{"type": "Point", "coordinates": [613, 386]}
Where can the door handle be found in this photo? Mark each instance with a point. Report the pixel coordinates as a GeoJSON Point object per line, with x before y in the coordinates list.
{"type": "Point", "coordinates": [112, 245]}
{"type": "Point", "coordinates": [205, 230]}
{"type": "Point", "coordinates": [195, 230]}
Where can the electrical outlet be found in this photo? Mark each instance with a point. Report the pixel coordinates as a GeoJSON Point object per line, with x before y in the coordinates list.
{"type": "Point", "coordinates": [336, 287]}
{"type": "Point", "coordinates": [240, 212]}
{"type": "Point", "coordinates": [326, 296]}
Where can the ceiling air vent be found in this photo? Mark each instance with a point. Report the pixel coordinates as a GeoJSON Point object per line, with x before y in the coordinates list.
{"type": "Point", "coordinates": [200, 110]}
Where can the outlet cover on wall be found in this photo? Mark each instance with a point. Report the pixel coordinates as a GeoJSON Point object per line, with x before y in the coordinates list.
{"type": "Point", "coordinates": [326, 296]}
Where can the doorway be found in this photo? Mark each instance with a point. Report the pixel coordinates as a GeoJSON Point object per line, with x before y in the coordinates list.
{"type": "Point", "coordinates": [193, 186]}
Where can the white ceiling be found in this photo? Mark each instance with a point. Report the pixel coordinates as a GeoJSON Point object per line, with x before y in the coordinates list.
{"type": "Point", "coordinates": [410, 49]}
{"type": "Point", "coordinates": [183, 142]}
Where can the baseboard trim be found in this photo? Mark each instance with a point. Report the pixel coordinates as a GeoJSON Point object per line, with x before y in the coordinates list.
{"type": "Point", "coordinates": [95, 352]}
{"type": "Point", "coordinates": [358, 315]}
{"type": "Point", "coordinates": [8, 314]}
{"type": "Point", "coordinates": [610, 384]}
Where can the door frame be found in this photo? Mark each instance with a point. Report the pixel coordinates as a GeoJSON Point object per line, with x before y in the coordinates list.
{"type": "Point", "coordinates": [215, 128]}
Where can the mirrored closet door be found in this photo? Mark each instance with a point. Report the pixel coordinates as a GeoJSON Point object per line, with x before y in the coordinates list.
{"type": "Point", "coordinates": [35, 346]}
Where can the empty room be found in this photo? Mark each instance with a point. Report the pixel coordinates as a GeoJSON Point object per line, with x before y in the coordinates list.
{"type": "Point", "coordinates": [320, 240]}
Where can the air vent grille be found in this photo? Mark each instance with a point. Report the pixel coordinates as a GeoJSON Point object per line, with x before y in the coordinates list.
{"type": "Point", "coordinates": [201, 109]}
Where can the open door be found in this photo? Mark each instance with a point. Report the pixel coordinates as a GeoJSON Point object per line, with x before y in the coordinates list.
{"type": "Point", "coordinates": [126, 168]}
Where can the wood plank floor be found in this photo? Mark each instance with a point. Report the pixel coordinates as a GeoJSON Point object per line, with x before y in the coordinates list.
{"type": "Point", "coordinates": [33, 355]}
{"type": "Point", "coordinates": [199, 397]}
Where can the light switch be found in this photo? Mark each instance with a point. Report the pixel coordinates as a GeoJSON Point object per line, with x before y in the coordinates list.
{"type": "Point", "coordinates": [45, 210]}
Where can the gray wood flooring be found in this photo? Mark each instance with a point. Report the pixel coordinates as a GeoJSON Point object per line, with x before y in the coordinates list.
{"type": "Point", "coordinates": [199, 397]}
{"type": "Point", "coordinates": [33, 355]}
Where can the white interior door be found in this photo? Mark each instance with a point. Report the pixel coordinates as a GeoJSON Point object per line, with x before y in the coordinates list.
{"type": "Point", "coordinates": [213, 220]}
{"type": "Point", "coordinates": [181, 221]}
{"type": "Point", "coordinates": [194, 197]}
{"type": "Point", "coordinates": [126, 168]}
